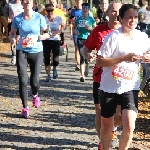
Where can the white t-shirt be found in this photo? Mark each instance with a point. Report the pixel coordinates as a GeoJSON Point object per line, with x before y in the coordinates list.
{"type": "Point", "coordinates": [124, 76]}
{"type": "Point", "coordinates": [54, 26]}
{"type": "Point", "coordinates": [147, 14]}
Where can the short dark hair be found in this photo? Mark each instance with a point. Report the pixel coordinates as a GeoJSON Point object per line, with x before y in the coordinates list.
{"type": "Point", "coordinates": [125, 8]}
{"type": "Point", "coordinates": [49, 5]}
{"type": "Point", "coordinates": [140, 3]}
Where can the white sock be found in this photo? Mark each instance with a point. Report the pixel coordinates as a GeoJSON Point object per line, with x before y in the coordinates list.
{"type": "Point", "coordinates": [34, 96]}
{"type": "Point", "coordinates": [114, 128]}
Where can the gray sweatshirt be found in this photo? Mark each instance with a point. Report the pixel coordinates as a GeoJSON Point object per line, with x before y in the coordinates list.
{"type": "Point", "coordinates": [12, 9]}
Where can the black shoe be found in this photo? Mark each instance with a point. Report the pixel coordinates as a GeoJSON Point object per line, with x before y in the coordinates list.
{"type": "Point", "coordinates": [77, 68]}
{"type": "Point", "coordinates": [82, 79]}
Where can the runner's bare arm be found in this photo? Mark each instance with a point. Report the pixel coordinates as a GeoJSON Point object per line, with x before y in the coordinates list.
{"type": "Point", "coordinates": [107, 62]}
{"type": "Point", "coordinates": [87, 54]}
{"type": "Point", "coordinates": [12, 37]}
{"type": "Point", "coordinates": [85, 51]}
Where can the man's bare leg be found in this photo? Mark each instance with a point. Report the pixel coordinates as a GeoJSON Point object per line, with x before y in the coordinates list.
{"type": "Point", "coordinates": [128, 120]}
{"type": "Point", "coordinates": [106, 131]}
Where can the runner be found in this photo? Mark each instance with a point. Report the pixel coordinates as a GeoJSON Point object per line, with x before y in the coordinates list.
{"type": "Point", "coordinates": [29, 50]}
{"type": "Point", "coordinates": [143, 8]}
{"type": "Point", "coordinates": [120, 57]}
{"type": "Point", "coordinates": [57, 11]}
{"type": "Point", "coordinates": [101, 12]}
{"type": "Point", "coordinates": [83, 26]}
{"type": "Point", "coordinates": [75, 13]}
{"type": "Point", "coordinates": [12, 9]}
{"type": "Point", "coordinates": [55, 24]}
{"type": "Point", "coordinates": [93, 42]}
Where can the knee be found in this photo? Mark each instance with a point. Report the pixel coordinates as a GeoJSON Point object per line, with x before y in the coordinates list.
{"type": "Point", "coordinates": [129, 128]}
{"type": "Point", "coordinates": [24, 82]}
{"type": "Point", "coordinates": [106, 124]}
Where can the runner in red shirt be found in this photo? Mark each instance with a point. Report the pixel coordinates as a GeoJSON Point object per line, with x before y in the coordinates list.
{"type": "Point", "coordinates": [93, 42]}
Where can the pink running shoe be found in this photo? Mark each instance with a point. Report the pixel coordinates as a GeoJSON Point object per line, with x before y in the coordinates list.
{"type": "Point", "coordinates": [25, 112]}
{"type": "Point", "coordinates": [36, 101]}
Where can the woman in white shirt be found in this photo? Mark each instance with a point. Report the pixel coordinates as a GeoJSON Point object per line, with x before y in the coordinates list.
{"type": "Point", "coordinates": [55, 25]}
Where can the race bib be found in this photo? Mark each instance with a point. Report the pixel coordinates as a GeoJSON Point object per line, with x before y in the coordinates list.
{"type": "Point", "coordinates": [28, 42]}
{"type": "Point", "coordinates": [121, 72]}
{"type": "Point", "coordinates": [82, 23]}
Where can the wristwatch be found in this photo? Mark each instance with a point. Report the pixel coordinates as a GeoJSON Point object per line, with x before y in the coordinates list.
{"type": "Point", "coordinates": [39, 38]}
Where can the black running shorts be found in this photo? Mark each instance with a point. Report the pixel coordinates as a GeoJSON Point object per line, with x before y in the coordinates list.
{"type": "Point", "coordinates": [109, 102]}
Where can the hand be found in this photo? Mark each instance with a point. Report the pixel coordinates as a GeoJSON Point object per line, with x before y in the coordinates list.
{"type": "Point", "coordinates": [13, 42]}
{"type": "Point", "coordinates": [146, 57]}
{"type": "Point", "coordinates": [131, 57]}
{"type": "Point", "coordinates": [91, 57]}
{"type": "Point", "coordinates": [88, 27]}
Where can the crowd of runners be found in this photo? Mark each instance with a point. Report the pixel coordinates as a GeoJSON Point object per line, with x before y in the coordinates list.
{"type": "Point", "coordinates": [118, 32]}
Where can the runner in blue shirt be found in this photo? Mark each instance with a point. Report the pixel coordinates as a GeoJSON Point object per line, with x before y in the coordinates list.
{"type": "Point", "coordinates": [29, 50]}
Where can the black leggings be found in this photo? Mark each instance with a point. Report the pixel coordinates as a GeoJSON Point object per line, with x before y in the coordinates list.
{"type": "Point", "coordinates": [49, 45]}
{"type": "Point", "coordinates": [80, 44]}
{"type": "Point", "coordinates": [35, 61]}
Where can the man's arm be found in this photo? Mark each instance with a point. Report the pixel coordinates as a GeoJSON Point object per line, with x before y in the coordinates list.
{"type": "Point", "coordinates": [87, 54]}
{"type": "Point", "coordinates": [108, 62]}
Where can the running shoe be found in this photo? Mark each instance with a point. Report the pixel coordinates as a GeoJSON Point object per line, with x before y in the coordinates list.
{"type": "Point", "coordinates": [48, 78]}
{"type": "Point", "coordinates": [13, 60]}
{"type": "Point", "coordinates": [100, 146]}
{"type": "Point", "coordinates": [82, 78]}
{"type": "Point", "coordinates": [77, 68]}
{"type": "Point", "coordinates": [55, 75]}
{"type": "Point", "coordinates": [114, 140]}
{"type": "Point", "coordinates": [86, 73]}
{"type": "Point", "coordinates": [36, 101]}
{"type": "Point", "coordinates": [25, 112]}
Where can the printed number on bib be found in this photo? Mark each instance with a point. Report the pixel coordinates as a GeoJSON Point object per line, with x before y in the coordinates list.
{"type": "Point", "coordinates": [120, 72]}
{"type": "Point", "coordinates": [82, 23]}
{"type": "Point", "coordinates": [28, 42]}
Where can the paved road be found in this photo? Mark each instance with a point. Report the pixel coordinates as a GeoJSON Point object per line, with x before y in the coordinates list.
{"type": "Point", "coordinates": [65, 120]}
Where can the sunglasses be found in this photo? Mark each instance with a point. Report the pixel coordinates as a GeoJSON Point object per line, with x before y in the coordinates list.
{"type": "Point", "coordinates": [49, 10]}
{"type": "Point", "coordinates": [85, 7]}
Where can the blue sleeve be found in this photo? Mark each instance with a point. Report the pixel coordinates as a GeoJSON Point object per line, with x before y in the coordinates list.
{"type": "Point", "coordinates": [43, 22]}
{"type": "Point", "coordinates": [72, 13]}
{"type": "Point", "coordinates": [14, 24]}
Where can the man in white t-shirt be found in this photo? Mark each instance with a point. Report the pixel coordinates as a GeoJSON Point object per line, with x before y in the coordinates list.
{"type": "Point", "coordinates": [120, 56]}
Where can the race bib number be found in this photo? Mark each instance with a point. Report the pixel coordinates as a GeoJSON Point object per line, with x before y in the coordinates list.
{"type": "Point", "coordinates": [121, 72]}
{"type": "Point", "coordinates": [82, 23]}
{"type": "Point", "coordinates": [28, 42]}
